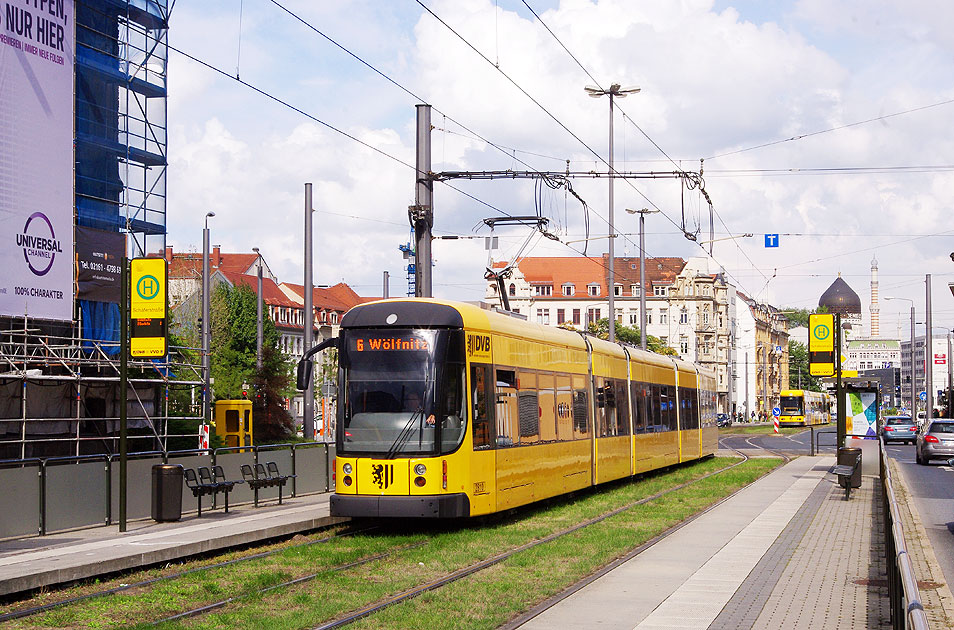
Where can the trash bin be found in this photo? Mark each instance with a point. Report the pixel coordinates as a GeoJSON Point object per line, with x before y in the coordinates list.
{"type": "Point", "coordinates": [167, 492]}
{"type": "Point", "coordinates": [847, 457]}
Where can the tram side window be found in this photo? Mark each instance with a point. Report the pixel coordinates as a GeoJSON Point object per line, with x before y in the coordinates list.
{"type": "Point", "coordinates": [529, 408]}
{"type": "Point", "coordinates": [605, 408]}
{"type": "Point", "coordinates": [481, 393]}
{"type": "Point", "coordinates": [547, 399]}
{"type": "Point", "coordinates": [622, 406]}
{"type": "Point", "coordinates": [655, 409]}
{"type": "Point", "coordinates": [689, 418]}
{"type": "Point", "coordinates": [581, 423]}
{"type": "Point", "coordinates": [505, 408]}
{"type": "Point", "coordinates": [564, 408]}
{"type": "Point", "coordinates": [454, 409]}
{"type": "Point", "coordinates": [667, 406]}
{"type": "Point", "coordinates": [640, 417]}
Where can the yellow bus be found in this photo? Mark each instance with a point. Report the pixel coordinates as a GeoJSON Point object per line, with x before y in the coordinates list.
{"type": "Point", "coordinates": [802, 408]}
{"type": "Point", "coordinates": [452, 410]}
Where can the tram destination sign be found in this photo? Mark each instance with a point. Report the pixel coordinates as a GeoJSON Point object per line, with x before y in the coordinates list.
{"type": "Point", "coordinates": [821, 344]}
{"type": "Point", "coordinates": [147, 307]}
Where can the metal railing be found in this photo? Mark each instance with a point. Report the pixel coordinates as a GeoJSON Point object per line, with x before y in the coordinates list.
{"type": "Point", "coordinates": [44, 495]}
{"type": "Point", "coordinates": [907, 610]}
{"type": "Point", "coordinates": [816, 437]}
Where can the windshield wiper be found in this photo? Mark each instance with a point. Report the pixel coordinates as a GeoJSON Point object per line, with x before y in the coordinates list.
{"type": "Point", "coordinates": [406, 432]}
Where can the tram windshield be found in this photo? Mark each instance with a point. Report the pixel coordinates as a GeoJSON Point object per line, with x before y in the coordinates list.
{"type": "Point", "coordinates": [791, 406]}
{"type": "Point", "coordinates": [403, 392]}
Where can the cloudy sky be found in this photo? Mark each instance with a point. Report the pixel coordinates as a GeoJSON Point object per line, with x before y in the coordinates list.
{"type": "Point", "coordinates": [825, 121]}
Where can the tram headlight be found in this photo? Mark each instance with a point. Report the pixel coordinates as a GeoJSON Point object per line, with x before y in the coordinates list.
{"type": "Point", "coordinates": [347, 481]}
{"type": "Point", "coordinates": [346, 468]}
{"type": "Point", "coordinates": [420, 469]}
{"type": "Point", "coordinates": [420, 482]}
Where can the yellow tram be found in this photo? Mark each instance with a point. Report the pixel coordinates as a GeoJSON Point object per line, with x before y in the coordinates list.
{"type": "Point", "coordinates": [449, 410]}
{"type": "Point", "coordinates": [803, 408]}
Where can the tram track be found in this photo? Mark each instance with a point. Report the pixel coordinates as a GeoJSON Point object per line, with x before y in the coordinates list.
{"type": "Point", "coordinates": [380, 605]}
{"type": "Point", "coordinates": [36, 610]}
{"type": "Point", "coordinates": [485, 564]}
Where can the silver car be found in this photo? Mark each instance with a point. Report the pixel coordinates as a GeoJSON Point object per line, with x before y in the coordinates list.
{"type": "Point", "coordinates": [935, 441]}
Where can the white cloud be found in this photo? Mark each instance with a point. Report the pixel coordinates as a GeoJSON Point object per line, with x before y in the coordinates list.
{"type": "Point", "coordinates": [714, 80]}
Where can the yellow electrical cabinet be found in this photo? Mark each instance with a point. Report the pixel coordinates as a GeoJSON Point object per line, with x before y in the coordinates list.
{"type": "Point", "coordinates": [233, 421]}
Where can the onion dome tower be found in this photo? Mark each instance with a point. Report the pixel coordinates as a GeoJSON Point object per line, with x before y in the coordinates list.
{"type": "Point", "coordinates": [841, 298]}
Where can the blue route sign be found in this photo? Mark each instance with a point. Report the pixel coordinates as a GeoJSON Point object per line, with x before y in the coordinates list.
{"type": "Point", "coordinates": [771, 240]}
{"type": "Point", "coordinates": [776, 412]}
{"type": "Point", "coordinates": [923, 396]}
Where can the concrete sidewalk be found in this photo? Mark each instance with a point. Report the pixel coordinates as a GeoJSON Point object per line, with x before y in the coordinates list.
{"type": "Point", "coordinates": [786, 552]}
{"type": "Point", "coordinates": [29, 563]}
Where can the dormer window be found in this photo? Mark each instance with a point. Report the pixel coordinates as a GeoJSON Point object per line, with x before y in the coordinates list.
{"type": "Point", "coordinates": [618, 290]}
{"type": "Point", "coordinates": [569, 289]}
{"type": "Point", "coordinates": [543, 290]}
{"type": "Point", "coordinates": [593, 289]}
{"type": "Point", "coordinates": [634, 290]}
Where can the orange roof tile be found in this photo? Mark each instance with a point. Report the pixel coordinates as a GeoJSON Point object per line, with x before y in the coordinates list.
{"type": "Point", "coordinates": [580, 271]}
{"type": "Point", "coordinates": [271, 294]}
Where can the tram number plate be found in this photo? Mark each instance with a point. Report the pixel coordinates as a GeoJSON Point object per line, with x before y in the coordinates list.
{"type": "Point", "coordinates": [479, 487]}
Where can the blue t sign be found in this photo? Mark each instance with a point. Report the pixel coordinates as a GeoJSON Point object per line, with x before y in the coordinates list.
{"type": "Point", "coordinates": [771, 240]}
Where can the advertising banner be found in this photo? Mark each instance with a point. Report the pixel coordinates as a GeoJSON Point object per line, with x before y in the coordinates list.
{"type": "Point", "coordinates": [862, 414]}
{"type": "Point", "coordinates": [99, 256]}
{"type": "Point", "coordinates": [36, 159]}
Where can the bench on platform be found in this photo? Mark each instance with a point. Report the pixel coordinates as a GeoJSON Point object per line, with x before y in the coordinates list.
{"type": "Point", "coordinates": [209, 483]}
{"type": "Point", "coordinates": [263, 477]}
{"type": "Point", "coordinates": [845, 473]}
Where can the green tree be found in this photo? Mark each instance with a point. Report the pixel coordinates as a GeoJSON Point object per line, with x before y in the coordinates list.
{"type": "Point", "coordinates": [798, 370]}
{"type": "Point", "coordinates": [799, 316]}
{"type": "Point", "coordinates": [233, 361]}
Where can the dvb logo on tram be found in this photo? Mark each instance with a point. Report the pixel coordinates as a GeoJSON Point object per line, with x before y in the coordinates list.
{"type": "Point", "coordinates": [478, 347]}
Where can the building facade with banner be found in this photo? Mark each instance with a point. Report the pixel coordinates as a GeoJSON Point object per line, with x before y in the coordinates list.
{"type": "Point", "coordinates": [82, 182]}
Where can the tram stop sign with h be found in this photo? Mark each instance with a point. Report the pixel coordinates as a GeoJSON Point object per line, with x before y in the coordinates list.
{"type": "Point", "coordinates": [821, 345]}
{"type": "Point", "coordinates": [147, 307]}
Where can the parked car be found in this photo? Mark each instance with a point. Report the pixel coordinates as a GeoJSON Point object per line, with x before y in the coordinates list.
{"type": "Point", "coordinates": [935, 441]}
{"type": "Point", "coordinates": [723, 419]}
{"type": "Point", "coordinates": [899, 429]}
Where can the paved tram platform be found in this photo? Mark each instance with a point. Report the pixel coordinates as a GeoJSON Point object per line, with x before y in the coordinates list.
{"type": "Point", "coordinates": [31, 563]}
{"type": "Point", "coordinates": [786, 552]}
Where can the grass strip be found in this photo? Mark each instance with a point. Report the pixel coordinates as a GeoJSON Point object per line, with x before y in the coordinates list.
{"type": "Point", "coordinates": [448, 548]}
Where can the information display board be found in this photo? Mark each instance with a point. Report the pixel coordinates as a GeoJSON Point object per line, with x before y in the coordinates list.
{"type": "Point", "coordinates": [821, 345]}
{"type": "Point", "coordinates": [147, 307]}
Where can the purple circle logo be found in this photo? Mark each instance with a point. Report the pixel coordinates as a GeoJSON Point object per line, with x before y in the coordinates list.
{"type": "Point", "coordinates": [39, 244]}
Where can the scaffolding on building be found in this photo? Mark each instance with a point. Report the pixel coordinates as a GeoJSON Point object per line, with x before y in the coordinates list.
{"type": "Point", "coordinates": [59, 380]}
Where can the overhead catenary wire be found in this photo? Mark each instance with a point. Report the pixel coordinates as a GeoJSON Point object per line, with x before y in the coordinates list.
{"type": "Point", "coordinates": [415, 96]}
{"type": "Point", "coordinates": [327, 125]}
{"type": "Point", "coordinates": [830, 129]}
{"type": "Point", "coordinates": [689, 181]}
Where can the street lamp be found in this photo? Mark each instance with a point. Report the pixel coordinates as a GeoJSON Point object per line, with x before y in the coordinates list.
{"type": "Point", "coordinates": [259, 333]}
{"type": "Point", "coordinates": [913, 409]}
{"type": "Point", "coordinates": [308, 396]}
{"type": "Point", "coordinates": [642, 272]}
{"type": "Point", "coordinates": [206, 393]}
{"type": "Point", "coordinates": [614, 91]}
